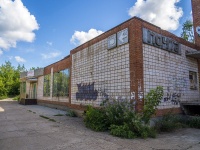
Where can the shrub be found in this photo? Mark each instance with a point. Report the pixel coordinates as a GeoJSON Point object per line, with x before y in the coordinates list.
{"type": "Point", "coordinates": [95, 119]}
{"type": "Point", "coordinates": [118, 112]}
{"type": "Point", "coordinates": [119, 117]}
{"type": "Point", "coordinates": [71, 113]}
{"type": "Point", "coordinates": [168, 123]}
{"type": "Point", "coordinates": [194, 122]}
{"type": "Point", "coordinates": [152, 100]}
{"type": "Point", "coordinates": [3, 97]}
{"type": "Point", "coordinates": [122, 131]}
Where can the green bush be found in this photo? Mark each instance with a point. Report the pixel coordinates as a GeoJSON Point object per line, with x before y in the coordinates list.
{"type": "Point", "coordinates": [194, 122]}
{"type": "Point", "coordinates": [118, 112]}
{"type": "Point", "coordinates": [152, 100]}
{"type": "Point", "coordinates": [3, 97]}
{"type": "Point", "coordinates": [119, 117]}
{"type": "Point", "coordinates": [168, 123]}
{"type": "Point", "coordinates": [71, 113]}
{"type": "Point", "coordinates": [95, 119]}
{"type": "Point", "coordinates": [122, 131]}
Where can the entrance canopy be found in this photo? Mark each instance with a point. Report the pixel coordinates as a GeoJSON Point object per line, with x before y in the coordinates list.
{"type": "Point", "coordinates": [195, 54]}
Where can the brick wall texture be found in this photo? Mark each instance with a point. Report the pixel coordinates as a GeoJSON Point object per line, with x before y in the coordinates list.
{"type": "Point", "coordinates": [127, 71]}
{"type": "Point", "coordinates": [196, 19]}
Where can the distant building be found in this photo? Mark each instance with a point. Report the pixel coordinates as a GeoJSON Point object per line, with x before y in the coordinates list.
{"type": "Point", "coordinates": [122, 63]}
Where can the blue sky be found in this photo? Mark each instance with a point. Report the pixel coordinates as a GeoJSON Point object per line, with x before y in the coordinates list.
{"type": "Point", "coordinates": [37, 33]}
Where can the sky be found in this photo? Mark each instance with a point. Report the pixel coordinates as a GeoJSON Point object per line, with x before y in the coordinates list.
{"type": "Point", "coordinates": [37, 33]}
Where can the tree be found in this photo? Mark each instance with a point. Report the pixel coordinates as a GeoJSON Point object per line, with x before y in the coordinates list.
{"type": "Point", "coordinates": [9, 79]}
{"type": "Point", "coordinates": [34, 68]}
{"type": "Point", "coordinates": [187, 31]}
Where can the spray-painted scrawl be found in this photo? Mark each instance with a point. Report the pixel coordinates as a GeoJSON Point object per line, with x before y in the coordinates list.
{"type": "Point", "coordinates": [86, 92]}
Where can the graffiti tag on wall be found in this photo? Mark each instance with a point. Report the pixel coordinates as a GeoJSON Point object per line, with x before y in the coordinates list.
{"type": "Point", "coordinates": [86, 92]}
{"type": "Point", "coordinates": [175, 90]}
{"type": "Point", "coordinates": [103, 93]}
{"type": "Point", "coordinates": [178, 83]}
{"type": "Point", "coordinates": [174, 98]}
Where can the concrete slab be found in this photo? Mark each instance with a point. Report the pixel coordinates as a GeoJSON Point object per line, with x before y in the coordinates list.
{"type": "Point", "coordinates": [22, 128]}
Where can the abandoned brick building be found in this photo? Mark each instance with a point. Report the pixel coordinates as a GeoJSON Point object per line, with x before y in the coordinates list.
{"type": "Point", "coordinates": [123, 63]}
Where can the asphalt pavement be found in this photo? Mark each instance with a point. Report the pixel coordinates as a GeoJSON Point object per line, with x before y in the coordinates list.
{"type": "Point", "coordinates": [34, 127]}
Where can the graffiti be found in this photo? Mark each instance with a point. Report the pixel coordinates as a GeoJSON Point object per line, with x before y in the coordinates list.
{"type": "Point", "coordinates": [174, 98]}
{"type": "Point", "coordinates": [86, 92]}
{"type": "Point", "coordinates": [132, 95]}
{"type": "Point", "coordinates": [103, 93]}
{"type": "Point", "coordinates": [175, 89]}
{"type": "Point", "coordinates": [140, 93]}
{"type": "Point", "coordinates": [178, 83]}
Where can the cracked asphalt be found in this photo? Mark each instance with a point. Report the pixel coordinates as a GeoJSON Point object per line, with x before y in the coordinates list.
{"type": "Point", "coordinates": [23, 128]}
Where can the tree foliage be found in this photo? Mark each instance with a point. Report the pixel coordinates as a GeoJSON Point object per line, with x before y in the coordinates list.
{"type": "Point", "coordinates": [187, 31]}
{"type": "Point", "coordinates": [9, 79]}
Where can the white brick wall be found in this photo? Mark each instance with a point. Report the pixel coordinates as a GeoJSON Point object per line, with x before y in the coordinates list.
{"type": "Point", "coordinates": [108, 69]}
{"type": "Point", "coordinates": [162, 68]}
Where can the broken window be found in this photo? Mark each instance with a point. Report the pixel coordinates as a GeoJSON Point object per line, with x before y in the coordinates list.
{"type": "Point", "coordinates": [193, 80]}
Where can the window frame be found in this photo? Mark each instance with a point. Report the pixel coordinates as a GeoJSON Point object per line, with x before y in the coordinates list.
{"type": "Point", "coordinates": [193, 80]}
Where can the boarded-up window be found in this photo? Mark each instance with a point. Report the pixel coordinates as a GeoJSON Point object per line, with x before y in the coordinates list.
{"type": "Point", "coordinates": [193, 80]}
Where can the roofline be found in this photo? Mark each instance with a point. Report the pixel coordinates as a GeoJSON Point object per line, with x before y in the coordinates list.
{"type": "Point", "coordinates": [135, 17]}
{"type": "Point", "coordinates": [58, 61]}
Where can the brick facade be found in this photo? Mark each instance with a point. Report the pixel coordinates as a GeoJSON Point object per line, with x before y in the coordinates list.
{"type": "Point", "coordinates": [63, 64]}
{"type": "Point", "coordinates": [58, 66]}
{"type": "Point", "coordinates": [196, 19]}
{"type": "Point", "coordinates": [124, 71]}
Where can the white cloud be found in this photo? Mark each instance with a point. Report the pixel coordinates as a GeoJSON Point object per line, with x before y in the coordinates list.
{"type": "Point", "coordinates": [19, 59]}
{"type": "Point", "coordinates": [16, 23]}
{"type": "Point", "coordinates": [49, 43]}
{"type": "Point", "coordinates": [163, 13]}
{"type": "Point", "coordinates": [80, 37]}
{"type": "Point", "coordinates": [10, 57]}
{"type": "Point", "coordinates": [191, 17]}
{"type": "Point", "coordinates": [50, 55]}
{"type": "Point", "coordinates": [1, 52]}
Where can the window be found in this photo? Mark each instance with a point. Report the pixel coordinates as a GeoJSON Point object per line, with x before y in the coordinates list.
{"type": "Point", "coordinates": [193, 80]}
{"type": "Point", "coordinates": [23, 87]}
{"type": "Point", "coordinates": [61, 83]}
{"type": "Point", "coordinates": [46, 85]}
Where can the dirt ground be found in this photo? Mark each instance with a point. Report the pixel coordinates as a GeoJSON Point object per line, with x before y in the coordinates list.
{"type": "Point", "coordinates": [26, 128]}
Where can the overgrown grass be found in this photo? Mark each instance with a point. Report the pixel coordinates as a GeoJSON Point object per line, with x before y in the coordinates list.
{"type": "Point", "coordinates": [45, 117]}
{"type": "Point", "coordinates": [168, 123]}
{"type": "Point", "coordinates": [71, 113]}
{"type": "Point", "coordinates": [31, 111]}
{"type": "Point", "coordinates": [3, 97]}
{"type": "Point", "coordinates": [59, 115]}
{"type": "Point", "coordinates": [172, 122]}
{"type": "Point", "coordinates": [11, 96]}
{"type": "Point", "coordinates": [16, 98]}
{"type": "Point", "coordinates": [52, 120]}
